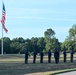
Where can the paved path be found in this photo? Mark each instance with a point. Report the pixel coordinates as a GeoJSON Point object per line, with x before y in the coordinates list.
{"type": "Point", "coordinates": [68, 73]}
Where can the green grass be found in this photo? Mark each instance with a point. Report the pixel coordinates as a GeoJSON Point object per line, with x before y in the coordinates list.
{"type": "Point", "coordinates": [59, 71]}
{"type": "Point", "coordinates": [13, 64]}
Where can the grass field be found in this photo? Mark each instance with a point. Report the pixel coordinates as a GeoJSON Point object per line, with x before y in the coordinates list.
{"type": "Point", "coordinates": [14, 65]}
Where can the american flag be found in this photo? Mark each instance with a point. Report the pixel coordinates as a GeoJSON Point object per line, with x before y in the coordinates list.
{"type": "Point", "coordinates": [4, 18]}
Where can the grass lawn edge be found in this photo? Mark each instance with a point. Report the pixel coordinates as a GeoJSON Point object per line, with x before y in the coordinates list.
{"type": "Point", "coordinates": [60, 71]}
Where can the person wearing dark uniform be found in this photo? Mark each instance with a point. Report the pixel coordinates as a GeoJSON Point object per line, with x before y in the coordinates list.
{"type": "Point", "coordinates": [41, 57]}
{"type": "Point", "coordinates": [34, 56]}
{"type": "Point", "coordinates": [65, 54]}
{"type": "Point", "coordinates": [26, 56]}
{"type": "Point", "coordinates": [49, 56]}
{"type": "Point", "coordinates": [71, 54]}
{"type": "Point", "coordinates": [56, 56]}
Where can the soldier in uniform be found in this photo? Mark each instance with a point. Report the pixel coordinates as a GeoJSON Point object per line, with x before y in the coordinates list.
{"type": "Point", "coordinates": [26, 56]}
{"type": "Point", "coordinates": [41, 56]}
{"type": "Point", "coordinates": [56, 56]}
{"type": "Point", "coordinates": [49, 56]}
{"type": "Point", "coordinates": [34, 56]}
{"type": "Point", "coordinates": [71, 54]}
{"type": "Point", "coordinates": [65, 54]}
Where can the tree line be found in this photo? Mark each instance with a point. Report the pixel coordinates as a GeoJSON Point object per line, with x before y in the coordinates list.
{"type": "Point", "coordinates": [48, 42]}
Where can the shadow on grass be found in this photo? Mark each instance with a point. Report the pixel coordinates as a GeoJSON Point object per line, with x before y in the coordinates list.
{"type": "Point", "coordinates": [21, 68]}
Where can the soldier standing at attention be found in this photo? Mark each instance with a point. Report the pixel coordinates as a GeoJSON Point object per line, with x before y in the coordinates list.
{"type": "Point", "coordinates": [49, 56]}
{"type": "Point", "coordinates": [41, 56]}
{"type": "Point", "coordinates": [34, 56]}
{"type": "Point", "coordinates": [65, 54]}
{"type": "Point", "coordinates": [56, 56]}
{"type": "Point", "coordinates": [26, 56]}
{"type": "Point", "coordinates": [71, 54]}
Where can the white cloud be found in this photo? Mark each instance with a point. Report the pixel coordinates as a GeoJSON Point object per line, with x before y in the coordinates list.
{"type": "Point", "coordinates": [42, 10]}
{"type": "Point", "coordinates": [41, 14]}
{"type": "Point", "coordinates": [41, 18]}
{"type": "Point", "coordinates": [62, 19]}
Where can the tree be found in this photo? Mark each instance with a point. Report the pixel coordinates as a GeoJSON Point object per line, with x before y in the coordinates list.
{"type": "Point", "coordinates": [56, 44]}
{"type": "Point", "coordinates": [34, 44]}
{"type": "Point", "coordinates": [71, 39]}
{"type": "Point", "coordinates": [15, 47]}
{"type": "Point", "coordinates": [20, 40]}
{"type": "Point", "coordinates": [24, 46]}
{"type": "Point", "coordinates": [49, 35]}
{"type": "Point", "coordinates": [72, 32]}
{"type": "Point", "coordinates": [41, 44]}
{"type": "Point", "coordinates": [7, 42]}
{"type": "Point", "coordinates": [72, 35]}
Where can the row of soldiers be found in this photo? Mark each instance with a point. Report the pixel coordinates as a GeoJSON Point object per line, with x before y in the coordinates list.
{"type": "Point", "coordinates": [56, 56]}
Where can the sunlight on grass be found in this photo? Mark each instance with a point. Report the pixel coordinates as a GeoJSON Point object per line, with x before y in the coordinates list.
{"type": "Point", "coordinates": [59, 71]}
{"type": "Point", "coordinates": [15, 62]}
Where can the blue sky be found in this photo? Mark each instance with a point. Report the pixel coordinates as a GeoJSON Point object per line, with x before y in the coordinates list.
{"type": "Point", "coordinates": [31, 18]}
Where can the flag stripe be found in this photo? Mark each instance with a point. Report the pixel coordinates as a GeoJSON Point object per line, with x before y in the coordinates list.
{"type": "Point", "coordinates": [4, 18]}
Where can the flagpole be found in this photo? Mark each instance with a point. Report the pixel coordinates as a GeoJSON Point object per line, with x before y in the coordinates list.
{"type": "Point", "coordinates": [3, 22]}
{"type": "Point", "coordinates": [2, 35]}
{"type": "Point", "coordinates": [2, 40]}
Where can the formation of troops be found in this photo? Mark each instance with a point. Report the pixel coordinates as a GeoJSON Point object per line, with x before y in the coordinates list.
{"type": "Point", "coordinates": [56, 56]}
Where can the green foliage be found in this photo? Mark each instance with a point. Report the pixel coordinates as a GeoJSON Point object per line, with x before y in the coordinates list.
{"type": "Point", "coordinates": [7, 42]}
{"type": "Point", "coordinates": [49, 41]}
{"type": "Point", "coordinates": [49, 33]}
{"type": "Point", "coordinates": [15, 47]}
{"type": "Point", "coordinates": [41, 44]}
{"type": "Point", "coordinates": [71, 39]}
{"type": "Point", "coordinates": [72, 32]}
